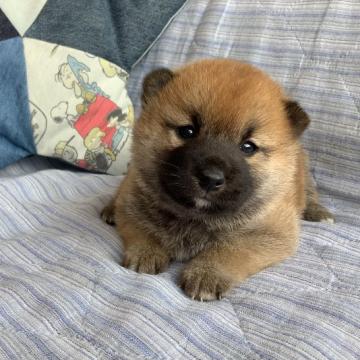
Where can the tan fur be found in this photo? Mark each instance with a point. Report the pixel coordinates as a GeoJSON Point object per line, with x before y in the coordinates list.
{"type": "Point", "coordinates": [221, 251]}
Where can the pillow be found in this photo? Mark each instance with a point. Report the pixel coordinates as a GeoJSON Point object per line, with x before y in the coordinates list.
{"type": "Point", "coordinates": [63, 72]}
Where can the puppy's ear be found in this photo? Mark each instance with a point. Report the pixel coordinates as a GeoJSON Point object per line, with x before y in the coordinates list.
{"type": "Point", "coordinates": [154, 82]}
{"type": "Point", "coordinates": [298, 118]}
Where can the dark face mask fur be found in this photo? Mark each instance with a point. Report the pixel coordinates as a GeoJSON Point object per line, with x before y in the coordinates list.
{"type": "Point", "coordinates": [206, 176]}
{"type": "Point", "coordinates": [218, 177]}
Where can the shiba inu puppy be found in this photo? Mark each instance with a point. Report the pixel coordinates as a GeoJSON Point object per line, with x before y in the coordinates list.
{"type": "Point", "coordinates": [218, 177]}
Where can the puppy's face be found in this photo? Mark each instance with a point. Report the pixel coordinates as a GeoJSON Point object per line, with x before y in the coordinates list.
{"type": "Point", "coordinates": [215, 137]}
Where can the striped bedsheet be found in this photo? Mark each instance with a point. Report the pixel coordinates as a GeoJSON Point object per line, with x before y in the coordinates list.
{"type": "Point", "coordinates": [63, 294]}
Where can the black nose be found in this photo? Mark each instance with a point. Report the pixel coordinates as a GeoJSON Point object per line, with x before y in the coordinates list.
{"type": "Point", "coordinates": [211, 179]}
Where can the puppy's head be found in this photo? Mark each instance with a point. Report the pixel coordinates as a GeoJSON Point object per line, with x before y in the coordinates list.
{"type": "Point", "coordinates": [216, 137]}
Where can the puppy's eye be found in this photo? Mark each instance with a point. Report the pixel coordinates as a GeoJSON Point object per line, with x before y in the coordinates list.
{"type": "Point", "coordinates": [248, 147]}
{"type": "Point", "coordinates": [186, 132]}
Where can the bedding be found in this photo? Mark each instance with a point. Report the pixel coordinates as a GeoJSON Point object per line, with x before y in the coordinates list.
{"type": "Point", "coordinates": [63, 294]}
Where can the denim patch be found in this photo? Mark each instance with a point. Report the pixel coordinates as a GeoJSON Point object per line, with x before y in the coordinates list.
{"type": "Point", "coordinates": [16, 137]}
{"type": "Point", "coordinates": [7, 30]}
{"type": "Point", "coordinates": [119, 31]}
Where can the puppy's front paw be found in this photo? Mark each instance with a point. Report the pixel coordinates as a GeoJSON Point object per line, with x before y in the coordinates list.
{"type": "Point", "coordinates": [149, 260]}
{"type": "Point", "coordinates": [204, 283]}
{"type": "Point", "coordinates": [108, 215]}
{"type": "Point", "coordinates": [318, 213]}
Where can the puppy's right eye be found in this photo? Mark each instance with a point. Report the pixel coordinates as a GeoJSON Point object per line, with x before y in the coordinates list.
{"type": "Point", "coordinates": [186, 132]}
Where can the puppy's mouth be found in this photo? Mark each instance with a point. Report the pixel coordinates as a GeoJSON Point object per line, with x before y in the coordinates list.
{"type": "Point", "coordinates": [201, 203]}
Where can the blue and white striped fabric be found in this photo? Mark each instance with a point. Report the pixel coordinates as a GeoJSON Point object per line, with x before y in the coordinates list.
{"type": "Point", "coordinates": [63, 294]}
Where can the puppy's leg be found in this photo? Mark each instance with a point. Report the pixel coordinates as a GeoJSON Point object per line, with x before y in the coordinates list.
{"type": "Point", "coordinates": [108, 213]}
{"type": "Point", "coordinates": [143, 253]}
{"type": "Point", "coordinates": [314, 211]}
{"type": "Point", "coordinates": [216, 270]}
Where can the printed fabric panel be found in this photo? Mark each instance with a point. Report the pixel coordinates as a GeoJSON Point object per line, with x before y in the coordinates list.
{"type": "Point", "coordinates": [79, 107]}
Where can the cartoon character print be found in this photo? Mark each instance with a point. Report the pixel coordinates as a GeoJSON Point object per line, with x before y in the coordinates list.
{"type": "Point", "coordinates": [111, 70]}
{"type": "Point", "coordinates": [122, 123]}
{"type": "Point", "coordinates": [38, 122]}
{"type": "Point", "coordinates": [103, 126]}
{"type": "Point", "coordinates": [95, 117]}
{"type": "Point", "coordinates": [67, 152]}
{"type": "Point", "coordinates": [74, 75]}
{"type": "Point", "coordinates": [97, 156]}
{"type": "Point", "coordinates": [59, 113]}
{"type": "Point", "coordinates": [64, 151]}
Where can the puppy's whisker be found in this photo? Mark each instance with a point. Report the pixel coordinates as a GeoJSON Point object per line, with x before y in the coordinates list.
{"type": "Point", "coordinates": [176, 184]}
{"type": "Point", "coordinates": [175, 175]}
{"type": "Point", "coordinates": [179, 185]}
{"type": "Point", "coordinates": [169, 164]}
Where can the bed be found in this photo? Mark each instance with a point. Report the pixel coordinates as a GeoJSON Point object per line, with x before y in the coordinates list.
{"type": "Point", "coordinates": [63, 294]}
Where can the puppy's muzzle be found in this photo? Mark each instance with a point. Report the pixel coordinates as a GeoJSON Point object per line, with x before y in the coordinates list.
{"type": "Point", "coordinates": [211, 178]}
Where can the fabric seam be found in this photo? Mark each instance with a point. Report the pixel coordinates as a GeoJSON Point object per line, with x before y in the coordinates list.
{"type": "Point", "coordinates": [160, 35]}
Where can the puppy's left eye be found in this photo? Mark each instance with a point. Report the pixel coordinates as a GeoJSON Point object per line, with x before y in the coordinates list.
{"type": "Point", "coordinates": [186, 132]}
{"type": "Point", "coordinates": [248, 147]}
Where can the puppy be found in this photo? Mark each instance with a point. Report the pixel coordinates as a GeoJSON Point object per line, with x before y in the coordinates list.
{"type": "Point", "coordinates": [218, 177]}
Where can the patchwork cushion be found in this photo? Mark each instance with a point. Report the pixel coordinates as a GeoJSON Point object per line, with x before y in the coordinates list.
{"type": "Point", "coordinates": [63, 72]}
